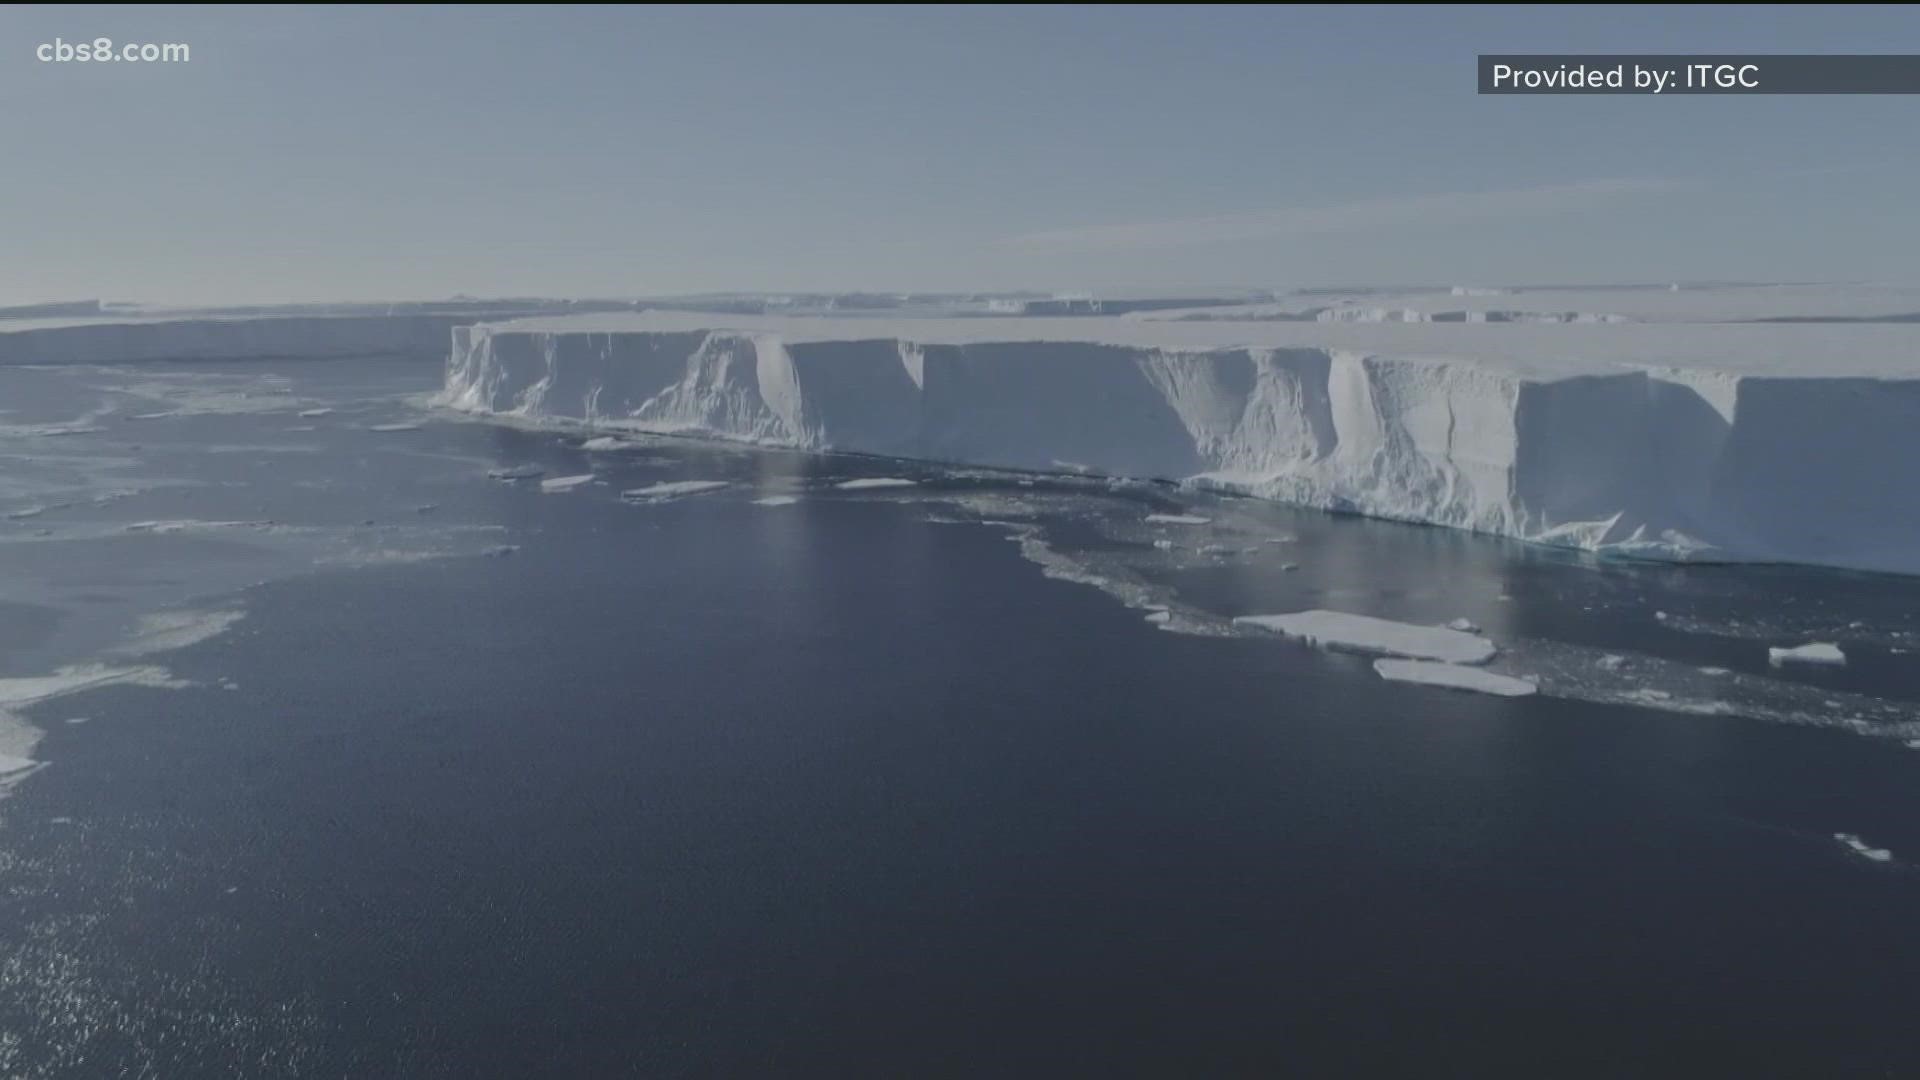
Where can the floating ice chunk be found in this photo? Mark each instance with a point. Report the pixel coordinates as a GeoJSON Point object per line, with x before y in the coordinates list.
{"type": "Point", "coordinates": [1345, 632]}
{"type": "Point", "coordinates": [516, 472]}
{"type": "Point", "coordinates": [606, 442]}
{"type": "Point", "coordinates": [777, 500]}
{"type": "Point", "coordinates": [1163, 545]}
{"type": "Point", "coordinates": [1289, 567]}
{"type": "Point", "coordinates": [1611, 662]}
{"type": "Point", "coordinates": [870, 482]}
{"type": "Point", "coordinates": [672, 489]}
{"type": "Point", "coordinates": [565, 483]}
{"type": "Point", "coordinates": [1160, 617]}
{"type": "Point", "coordinates": [308, 414]}
{"type": "Point", "coordinates": [1861, 848]}
{"type": "Point", "coordinates": [1717, 672]}
{"type": "Point", "coordinates": [1453, 677]}
{"type": "Point", "coordinates": [394, 427]}
{"type": "Point", "coordinates": [1465, 626]}
{"type": "Point", "coordinates": [501, 551]}
{"type": "Point", "coordinates": [1819, 652]}
{"type": "Point", "coordinates": [1178, 519]}
{"type": "Point", "coordinates": [12, 764]}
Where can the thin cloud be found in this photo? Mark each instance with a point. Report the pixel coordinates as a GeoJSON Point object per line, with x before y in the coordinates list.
{"type": "Point", "coordinates": [1440, 209]}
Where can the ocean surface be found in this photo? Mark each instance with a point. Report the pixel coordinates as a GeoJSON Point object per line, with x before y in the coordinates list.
{"type": "Point", "coordinates": [355, 751]}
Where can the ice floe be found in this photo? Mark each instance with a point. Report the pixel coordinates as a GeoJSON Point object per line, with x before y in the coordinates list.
{"type": "Point", "coordinates": [1863, 849]}
{"type": "Point", "coordinates": [1345, 632]}
{"type": "Point", "coordinates": [565, 483]}
{"type": "Point", "coordinates": [671, 489]}
{"type": "Point", "coordinates": [870, 483]}
{"type": "Point", "coordinates": [1454, 677]}
{"type": "Point", "coordinates": [1819, 652]}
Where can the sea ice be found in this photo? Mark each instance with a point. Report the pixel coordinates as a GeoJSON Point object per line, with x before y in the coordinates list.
{"type": "Point", "coordinates": [1824, 653]}
{"type": "Point", "coordinates": [565, 483]}
{"type": "Point", "coordinates": [1862, 848]}
{"type": "Point", "coordinates": [516, 472]}
{"type": "Point", "coordinates": [309, 414]}
{"type": "Point", "coordinates": [671, 489]}
{"type": "Point", "coordinates": [1344, 632]}
{"type": "Point", "coordinates": [1178, 519]}
{"type": "Point", "coordinates": [1453, 677]}
{"type": "Point", "coordinates": [871, 482]}
{"type": "Point", "coordinates": [394, 427]}
{"type": "Point", "coordinates": [777, 500]}
{"type": "Point", "coordinates": [170, 630]}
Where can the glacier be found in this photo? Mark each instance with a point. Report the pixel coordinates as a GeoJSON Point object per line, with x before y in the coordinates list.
{"type": "Point", "coordinates": [1781, 442]}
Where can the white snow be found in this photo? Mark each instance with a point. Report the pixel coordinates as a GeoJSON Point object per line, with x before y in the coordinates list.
{"type": "Point", "coordinates": [777, 500]}
{"type": "Point", "coordinates": [1178, 519]}
{"type": "Point", "coordinates": [1464, 625]}
{"type": "Point", "coordinates": [1656, 440]}
{"type": "Point", "coordinates": [1453, 677]}
{"type": "Point", "coordinates": [874, 482]}
{"type": "Point", "coordinates": [565, 483]}
{"type": "Point", "coordinates": [672, 489]}
{"type": "Point", "coordinates": [1344, 632]}
{"type": "Point", "coordinates": [1819, 652]}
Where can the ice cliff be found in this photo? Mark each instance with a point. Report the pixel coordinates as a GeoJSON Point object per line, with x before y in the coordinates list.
{"type": "Point", "coordinates": [1741, 453]}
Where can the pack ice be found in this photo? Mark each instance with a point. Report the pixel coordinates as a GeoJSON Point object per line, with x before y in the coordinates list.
{"type": "Point", "coordinates": [1743, 441]}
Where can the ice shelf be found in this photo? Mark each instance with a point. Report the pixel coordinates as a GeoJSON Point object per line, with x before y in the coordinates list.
{"type": "Point", "coordinates": [1739, 441]}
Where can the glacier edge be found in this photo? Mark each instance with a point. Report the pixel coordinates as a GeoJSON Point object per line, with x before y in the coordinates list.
{"type": "Point", "coordinates": [1643, 460]}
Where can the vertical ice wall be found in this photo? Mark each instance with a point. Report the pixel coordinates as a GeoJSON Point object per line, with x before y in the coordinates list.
{"type": "Point", "coordinates": [1661, 463]}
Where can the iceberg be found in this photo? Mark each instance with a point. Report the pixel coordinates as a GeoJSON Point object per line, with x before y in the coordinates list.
{"type": "Point", "coordinates": [1675, 440]}
{"type": "Point", "coordinates": [1343, 632]}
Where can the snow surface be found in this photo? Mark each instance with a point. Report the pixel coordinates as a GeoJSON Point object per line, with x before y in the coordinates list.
{"type": "Point", "coordinates": [1823, 653]}
{"type": "Point", "coordinates": [1453, 677]}
{"type": "Point", "coordinates": [1344, 632]}
{"type": "Point", "coordinates": [1678, 441]}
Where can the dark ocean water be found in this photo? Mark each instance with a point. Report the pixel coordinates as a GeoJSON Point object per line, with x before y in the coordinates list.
{"type": "Point", "coordinates": [711, 788]}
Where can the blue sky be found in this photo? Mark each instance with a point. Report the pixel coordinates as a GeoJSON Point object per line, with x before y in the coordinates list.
{"type": "Point", "coordinates": [363, 153]}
